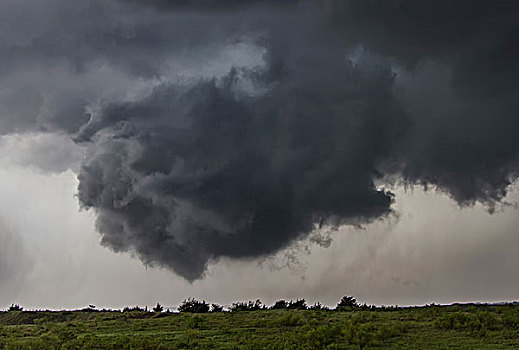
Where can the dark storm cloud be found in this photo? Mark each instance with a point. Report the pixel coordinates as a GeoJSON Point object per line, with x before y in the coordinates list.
{"type": "Point", "coordinates": [465, 101]}
{"type": "Point", "coordinates": [50, 75]}
{"type": "Point", "coordinates": [240, 159]}
{"type": "Point", "coordinates": [220, 5]}
{"type": "Point", "coordinates": [411, 30]}
{"type": "Point", "coordinates": [206, 171]}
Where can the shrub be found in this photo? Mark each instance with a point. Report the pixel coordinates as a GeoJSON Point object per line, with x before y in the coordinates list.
{"type": "Point", "coordinates": [366, 307]}
{"type": "Point", "coordinates": [247, 306]}
{"type": "Point", "coordinates": [299, 304]}
{"type": "Point", "coordinates": [89, 309]}
{"type": "Point", "coordinates": [158, 308]}
{"type": "Point", "coordinates": [319, 306]}
{"type": "Point", "coordinates": [453, 321]}
{"type": "Point", "coordinates": [478, 322]}
{"type": "Point", "coordinates": [134, 309]}
{"type": "Point", "coordinates": [347, 302]}
{"type": "Point", "coordinates": [15, 307]}
{"type": "Point", "coordinates": [280, 304]}
{"type": "Point", "coordinates": [194, 306]}
{"type": "Point", "coordinates": [323, 336]}
{"type": "Point", "coordinates": [392, 330]}
{"type": "Point", "coordinates": [365, 335]}
{"type": "Point", "coordinates": [216, 308]}
{"type": "Point", "coordinates": [511, 318]}
{"type": "Point", "coordinates": [489, 320]}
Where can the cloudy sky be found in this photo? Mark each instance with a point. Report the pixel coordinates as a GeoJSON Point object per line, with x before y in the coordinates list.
{"type": "Point", "coordinates": [232, 150]}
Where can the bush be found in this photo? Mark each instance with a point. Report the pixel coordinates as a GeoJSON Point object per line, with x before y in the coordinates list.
{"type": "Point", "coordinates": [347, 302]}
{"type": "Point", "coordinates": [319, 306]}
{"type": "Point", "coordinates": [280, 304]}
{"type": "Point", "coordinates": [365, 335]}
{"type": "Point", "coordinates": [511, 318]}
{"type": "Point", "coordinates": [299, 304]}
{"type": "Point", "coordinates": [194, 306]}
{"type": "Point", "coordinates": [247, 306]}
{"type": "Point", "coordinates": [134, 309]}
{"type": "Point", "coordinates": [478, 322]}
{"type": "Point", "coordinates": [392, 330]}
{"type": "Point", "coordinates": [89, 309]}
{"type": "Point", "coordinates": [158, 308]}
{"type": "Point", "coordinates": [15, 307]}
{"type": "Point", "coordinates": [453, 321]}
{"type": "Point", "coordinates": [216, 308]}
{"type": "Point", "coordinates": [323, 336]}
{"type": "Point", "coordinates": [489, 320]}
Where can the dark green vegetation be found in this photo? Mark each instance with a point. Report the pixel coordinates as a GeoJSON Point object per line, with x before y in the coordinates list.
{"type": "Point", "coordinates": [287, 326]}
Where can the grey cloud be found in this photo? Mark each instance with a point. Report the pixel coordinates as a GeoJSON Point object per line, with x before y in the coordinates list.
{"type": "Point", "coordinates": [186, 164]}
{"type": "Point", "coordinates": [43, 151]}
{"type": "Point", "coordinates": [464, 144]}
{"type": "Point", "coordinates": [205, 171]}
{"type": "Point", "coordinates": [459, 82]}
{"type": "Point", "coordinates": [411, 31]}
{"type": "Point", "coordinates": [50, 75]}
{"type": "Point", "coordinates": [219, 5]}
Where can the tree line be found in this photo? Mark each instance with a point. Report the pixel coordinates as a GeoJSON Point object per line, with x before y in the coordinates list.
{"type": "Point", "coordinates": [193, 305]}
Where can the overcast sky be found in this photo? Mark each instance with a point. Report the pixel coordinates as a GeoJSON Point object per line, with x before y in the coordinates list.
{"type": "Point", "coordinates": [152, 151]}
{"type": "Point", "coordinates": [432, 251]}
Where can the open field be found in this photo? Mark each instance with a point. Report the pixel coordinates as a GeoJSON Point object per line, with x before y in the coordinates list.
{"type": "Point", "coordinates": [431, 327]}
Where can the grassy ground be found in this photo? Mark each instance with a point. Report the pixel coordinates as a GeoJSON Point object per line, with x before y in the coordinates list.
{"type": "Point", "coordinates": [432, 327]}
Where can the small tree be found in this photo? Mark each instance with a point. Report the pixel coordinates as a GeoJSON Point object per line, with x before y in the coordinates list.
{"type": "Point", "coordinates": [247, 306]}
{"type": "Point", "coordinates": [299, 304]}
{"type": "Point", "coordinates": [347, 302]}
{"type": "Point", "coordinates": [216, 308]}
{"type": "Point", "coordinates": [318, 306]}
{"type": "Point", "coordinates": [133, 309]}
{"type": "Point", "coordinates": [158, 308]}
{"type": "Point", "coordinates": [15, 307]}
{"type": "Point", "coordinates": [280, 304]}
{"type": "Point", "coordinates": [193, 305]}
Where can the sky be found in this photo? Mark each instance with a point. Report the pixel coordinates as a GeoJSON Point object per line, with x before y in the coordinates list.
{"type": "Point", "coordinates": [226, 150]}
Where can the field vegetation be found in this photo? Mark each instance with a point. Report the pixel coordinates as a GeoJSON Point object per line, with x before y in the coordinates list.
{"type": "Point", "coordinates": [252, 325]}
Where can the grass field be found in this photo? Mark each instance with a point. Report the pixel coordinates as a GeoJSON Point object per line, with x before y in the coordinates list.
{"type": "Point", "coordinates": [431, 327]}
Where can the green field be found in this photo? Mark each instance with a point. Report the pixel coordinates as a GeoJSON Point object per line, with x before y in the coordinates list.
{"type": "Point", "coordinates": [431, 327]}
